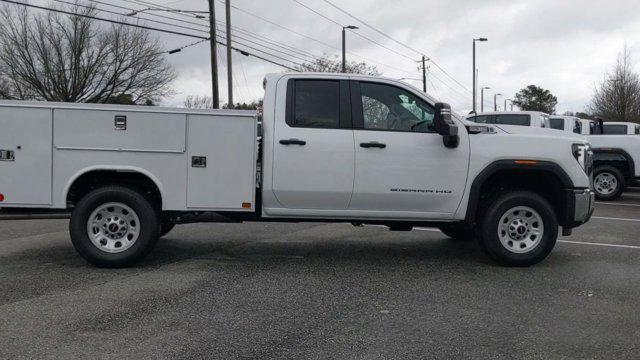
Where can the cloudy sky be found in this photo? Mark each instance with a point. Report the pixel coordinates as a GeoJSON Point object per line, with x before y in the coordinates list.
{"type": "Point", "coordinates": [566, 46]}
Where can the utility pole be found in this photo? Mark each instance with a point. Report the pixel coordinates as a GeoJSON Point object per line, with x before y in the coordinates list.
{"type": "Point", "coordinates": [229, 54]}
{"type": "Point", "coordinates": [214, 55]}
{"type": "Point", "coordinates": [424, 72]}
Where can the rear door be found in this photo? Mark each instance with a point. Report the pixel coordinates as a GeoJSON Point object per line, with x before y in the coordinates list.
{"type": "Point", "coordinates": [402, 165]}
{"type": "Point", "coordinates": [25, 162]}
{"type": "Point", "coordinates": [313, 159]}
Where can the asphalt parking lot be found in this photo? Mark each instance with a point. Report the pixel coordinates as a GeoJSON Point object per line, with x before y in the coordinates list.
{"type": "Point", "coordinates": [312, 291]}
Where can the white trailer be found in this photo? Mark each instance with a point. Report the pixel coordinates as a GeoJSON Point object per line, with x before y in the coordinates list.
{"type": "Point", "coordinates": [334, 147]}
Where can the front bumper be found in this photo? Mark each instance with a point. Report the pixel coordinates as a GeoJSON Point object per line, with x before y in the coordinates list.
{"type": "Point", "coordinates": [581, 204]}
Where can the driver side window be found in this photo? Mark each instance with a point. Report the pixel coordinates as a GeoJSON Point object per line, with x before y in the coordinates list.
{"type": "Point", "coordinates": [387, 107]}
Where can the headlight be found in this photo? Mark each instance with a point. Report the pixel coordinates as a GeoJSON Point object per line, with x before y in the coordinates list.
{"type": "Point", "coordinates": [584, 156]}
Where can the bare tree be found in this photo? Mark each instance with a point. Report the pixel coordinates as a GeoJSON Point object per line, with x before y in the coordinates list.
{"type": "Point", "coordinates": [72, 58]}
{"type": "Point", "coordinates": [334, 65]}
{"type": "Point", "coordinates": [198, 102]}
{"type": "Point", "coordinates": [617, 98]}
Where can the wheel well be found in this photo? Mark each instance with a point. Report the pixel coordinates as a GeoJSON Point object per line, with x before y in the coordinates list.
{"type": "Point", "coordinates": [545, 183]}
{"type": "Point", "coordinates": [98, 178]}
{"type": "Point", "coordinates": [617, 159]}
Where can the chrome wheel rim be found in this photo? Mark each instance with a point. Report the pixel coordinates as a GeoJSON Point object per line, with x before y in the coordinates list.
{"type": "Point", "coordinates": [521, 229]}
{"type": "Point", "coordinates": [113, 227]}
{"type": "Point", "coordinates": [605, 183]}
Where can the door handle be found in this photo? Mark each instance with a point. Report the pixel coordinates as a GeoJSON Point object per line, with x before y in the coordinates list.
{"type": "Point", "coordinates": [373, 144]}
{"type": "Point", "coordinates": [293, 142]}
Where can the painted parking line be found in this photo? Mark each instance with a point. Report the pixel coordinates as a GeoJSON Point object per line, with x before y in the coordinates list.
{"type": "Point", "coordinates": [614, 219]}
{"type": "Point", "coordinates": [599, 244]}
{"type": "Point", "coordinates": [616, 204]}
{"type": "Point", "coordinates": [565, 241]}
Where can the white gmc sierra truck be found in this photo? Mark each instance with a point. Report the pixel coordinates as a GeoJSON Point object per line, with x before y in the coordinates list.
{"type": "Point", "coordinates": [333, 148]}
{"type": "Point", "coordinates": [616, 148]}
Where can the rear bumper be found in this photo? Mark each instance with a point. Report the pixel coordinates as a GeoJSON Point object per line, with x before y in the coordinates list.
{"type": "Point", "coordinates": [581, 204]}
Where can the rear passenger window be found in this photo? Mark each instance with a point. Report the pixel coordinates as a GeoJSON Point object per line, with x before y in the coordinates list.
{"type": "Point", "coordinates": [522, 120]}
{"type": "Point", "coordinates": [557, 124]}
{"type": "Point", "coordinates": [316, 104]}
{"type": "Point", "coordinates": [614, 129]}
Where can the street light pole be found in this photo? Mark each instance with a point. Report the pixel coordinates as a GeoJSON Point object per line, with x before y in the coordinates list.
{"type": "Point", "coordinates": [475, 90]}
{"type": "Point", "coordinates": [505, 104]}
{"type": "Point", "coordinates": [227, 4]}
{"type": "Point", "coordinates": [495, 101]}
{"type": "Point", "coordinates": [344, 45]}
{"type": "Point", "coordinates": [482, 97]}
{"type": "Point", "coordinates": [214, 55]}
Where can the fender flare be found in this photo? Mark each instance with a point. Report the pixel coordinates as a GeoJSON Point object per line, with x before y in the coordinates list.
{"type": "Point", "coordinates": [510, 164]}
{"type": "Point", "coordinates": [130, 169]}
{"type": "Point", "coordinates": [613, 152]}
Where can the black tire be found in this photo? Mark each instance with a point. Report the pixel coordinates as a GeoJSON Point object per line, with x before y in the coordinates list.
{"type": "Point", "coordinates": [619, 188]}
{"type": "Point", "coordinates": [490, 241]}
{"type": "Point", "coordinates": [458, 232]}
{"type": "Point", "coordinates": [165, 227]}
{"type": "Point", "coordinates": [149, 226]}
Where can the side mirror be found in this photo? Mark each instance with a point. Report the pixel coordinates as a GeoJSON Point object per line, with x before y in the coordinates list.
{"type": "Point", "coordinates": [445, 125]}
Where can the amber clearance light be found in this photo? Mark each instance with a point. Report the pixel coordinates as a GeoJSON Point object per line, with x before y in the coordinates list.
{"type": "Point", "coordinates": [526, 162]}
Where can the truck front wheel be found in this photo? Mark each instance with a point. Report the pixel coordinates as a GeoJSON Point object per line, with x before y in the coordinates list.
{"type": "Point", "coordinates": [608, 183]}
{"type": "Point", "coordinates": [114, 226]}
{"type": "Point", "coordinates": [519, 229]}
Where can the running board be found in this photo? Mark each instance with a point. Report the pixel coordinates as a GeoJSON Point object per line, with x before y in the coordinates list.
{"type": "Point", "coordinates": [30, 214]}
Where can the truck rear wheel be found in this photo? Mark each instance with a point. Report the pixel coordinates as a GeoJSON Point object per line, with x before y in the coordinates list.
{"type": "Point", "coordinates": [608, 183]}
{"type": "Point", "coordinates": [114, 226]}
{"type": "Point", "coordinates": [519, 229]}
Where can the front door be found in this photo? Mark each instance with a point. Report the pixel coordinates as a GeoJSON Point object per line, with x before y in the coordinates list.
{"type": "Point", "coordinates": [401, 163]}
{"type": "Point", "coordinates": [313, 164]}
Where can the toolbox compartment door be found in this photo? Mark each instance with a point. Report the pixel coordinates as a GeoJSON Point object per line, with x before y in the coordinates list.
{"type": "Point", "coordinates": [221, 162]}
{"type": "Point", "coordinates": [25, 156]}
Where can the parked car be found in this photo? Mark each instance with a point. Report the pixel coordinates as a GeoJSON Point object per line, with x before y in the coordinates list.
{"type": "Point", "coordinates": [334, 148]}
{"type": "Point", "coordinates": [521, 118]}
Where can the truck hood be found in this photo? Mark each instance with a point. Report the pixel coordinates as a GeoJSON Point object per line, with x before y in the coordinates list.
{"type": "Point", "coordinates": [528, 130]}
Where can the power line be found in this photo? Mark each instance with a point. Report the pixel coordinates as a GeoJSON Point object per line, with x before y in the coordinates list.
{"type": "Point", "coordinates": [353, 32]}
{"type": "Point", "coordinates": [150, 14]}
{"type": "Point", "coordinates": [366, 38]}
{"type": "Point", "coordinates": [244, 52]}
{"type": "Point", "coordinates": [312, 56]}
{"type": "Point", "coordinates": [280, 26]}
{"type": "Point", "coordinates": [287, 48]}
{"type": "Point", "coordinates": [120, 14]}
{"type": "Point", "coordinates": [396, 41]}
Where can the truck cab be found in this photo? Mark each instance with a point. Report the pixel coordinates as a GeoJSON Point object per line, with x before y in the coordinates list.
{"type": "Point", "coordinates": [566, 123]}
{"type": "Point", "coordinates": [332, 148]}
